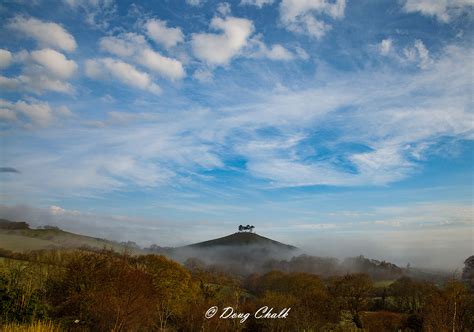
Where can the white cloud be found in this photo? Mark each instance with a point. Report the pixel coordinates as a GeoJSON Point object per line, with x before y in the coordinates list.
{"type": "Point", "coordinates": [257, 3]}
{"type": "Point", "coordinates": [393, 131]}
{"type": "Point", "coordinates": [195, 2]}
{"type": "Point", "coordinates": [95, 3]}
{"type": "Point", "coordinates": [9, 83]}
{"type": "Point", "coordinates": [219, 49]}
{"type": "Point", "coordinates": [38, 84]}
{"type": "Point", "coordinates": [305, 16]}
{"type": "Point", "coordinates": [317, 226]}
{"type": "Point", "coordinates": [56, 210]}
{"type": "Point", "coordinates": [203, 75]}
{"type": "Point", "coordinates": [39, 113]}
{"type": "Point", "coordinates": [97, 12]}
{"type": "Point", "coordinates": [443, 10]}
{"type": "Point", "coordinates": [63, 111]}
{"type": "Point", "coordinates": [419, 54]}
{"type": "Point", "coordinates": [384, 165]}
{"type": "Point", "coordinates": [168, 67]}
{"type": "Point", "coordinates": [5, 58]}
{"type": "Point", "coordinates": [294, 173]}
{"type": "Point", "coordinates": [46, 33]}
{"type": "Point", "coordinates": [236, 40]}
{"type": "Point", "coordinates": [223, 8]}
{"type": "Point", "coordinates": [108, 69]}
{"type": "Point", "coordinates": [54, 62]}
{"type": "Point", "coordinates": [148, 154]}
{"type": "Point", "coordinates": [135, 48]}
{"type": "Point", "coordinates": [43, 70]}
{"type": "Point", "coordinates": [7, 115]}
{"type": "Point", "coordinates": [161, 34]}
{"type": "Point", "coordinates": [394, 116]}
{"type": "Point", "coordinates": [128, 117]}
{"type": "Point", "coordinates": [278, 52]}
{"type": "Point", "coordinates": [274, 52]}
{"type": "Point", "coordinates": [124, 45]}
{"type": "Point", "coordinates": [301, 53]}
{"type": "Point", "coordinates": [385, 46]}
{"type": "Point", "coordinates": [423, 54]}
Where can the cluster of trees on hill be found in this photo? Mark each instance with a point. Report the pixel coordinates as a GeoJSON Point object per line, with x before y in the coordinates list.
{"type": "Point", "coordinates": [7, 224]}
{"type": "Point", "coordinates": [82, 290]}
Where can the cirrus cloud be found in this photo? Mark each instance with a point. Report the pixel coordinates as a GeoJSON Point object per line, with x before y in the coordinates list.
{"type": "Point", "coordinates": [305, 16]}
{"type": "Point", "coordinates": [444, 11]}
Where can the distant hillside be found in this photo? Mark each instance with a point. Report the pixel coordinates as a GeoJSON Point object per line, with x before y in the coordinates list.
{"type": "Point", "coordinates": [241, 253]}
{"type": "Point", "coordinates": [19, 237]}
{"type": "Point", "coordinates": [242, 239]}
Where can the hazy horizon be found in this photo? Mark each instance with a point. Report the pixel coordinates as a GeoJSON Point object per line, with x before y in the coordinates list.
{"type": "Point", "coordinates": [342, 127]}
{"type": "Point", "coordinates": [424, 247]}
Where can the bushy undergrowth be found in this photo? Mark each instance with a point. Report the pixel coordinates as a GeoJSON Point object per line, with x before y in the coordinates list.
{"type": "Point", "coordinates": [82, 290]}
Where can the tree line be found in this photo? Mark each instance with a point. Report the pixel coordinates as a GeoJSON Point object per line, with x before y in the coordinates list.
{"type": "Point", "coordinates": [85, 290]}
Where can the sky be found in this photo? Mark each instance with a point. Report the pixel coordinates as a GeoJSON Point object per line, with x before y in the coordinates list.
{"type": "Point", "coordinates": [343, 127]}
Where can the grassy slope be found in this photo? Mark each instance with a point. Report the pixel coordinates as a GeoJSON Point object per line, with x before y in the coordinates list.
{"type": "Point", "coordinates": [35, 239]}
{"type": "Point", "coordinates": [243, 238]}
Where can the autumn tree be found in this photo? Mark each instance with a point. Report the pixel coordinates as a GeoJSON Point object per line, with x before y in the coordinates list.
{"type": "Point", "coordinates": [311, 304]}
{"type": "Point", "coordinates": [21, 291]}
{"type": "Point", "coordinates": [173, 288]}
{"type": "Point", "coordinates": [449, 309]}
{"type": "Point", "coordinates": [102, 292]}
{"type": "Point", "coordinates": [352, 292]}
{"type": "Point", "coordinates": [410, 295]}
{"type": "Point", "coordinates": [382, 321]}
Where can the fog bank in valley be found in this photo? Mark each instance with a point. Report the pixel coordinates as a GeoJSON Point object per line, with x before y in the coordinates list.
{"type": "Point", "coordinates": [442, 247]}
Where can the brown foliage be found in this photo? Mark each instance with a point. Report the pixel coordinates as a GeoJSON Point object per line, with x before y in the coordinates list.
{"type": "Point", "coordinates": [352, 294]}
{"type": "Point", "coordinates": [310, 302]}
{"type": "Point", "coordinates": [410, 295]}
{"type": "Point", "coordinates": [103, 292]}
{"type": "Point", "coordinates": [382, 321]}
{"type": "Point", "coordinates": [449, 309]}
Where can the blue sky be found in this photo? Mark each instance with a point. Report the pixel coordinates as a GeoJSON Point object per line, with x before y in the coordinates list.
{"type": "Point", "coordinates": [320, 122]}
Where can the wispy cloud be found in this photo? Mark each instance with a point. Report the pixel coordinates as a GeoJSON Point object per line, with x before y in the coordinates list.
{"type": "Point", "coordinates": [444, 11]}
{"type": "Point", "coordinates": [312, 113]}
{"type": "Point", "coordinates": [306, 16]}
{"type": "Point", "coordinates": [382, 124]}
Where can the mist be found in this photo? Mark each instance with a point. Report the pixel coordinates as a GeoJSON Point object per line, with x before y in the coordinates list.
{"type": "Point", "coordinates": [441, 248]}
